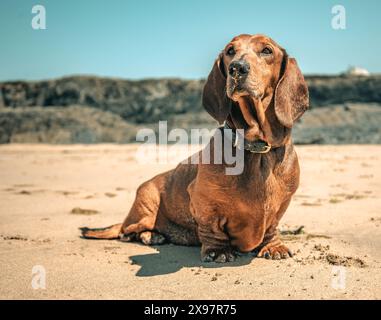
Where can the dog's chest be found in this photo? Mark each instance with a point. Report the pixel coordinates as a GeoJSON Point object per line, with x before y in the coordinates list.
{"type": "Point", "coordinates": [264, 194]}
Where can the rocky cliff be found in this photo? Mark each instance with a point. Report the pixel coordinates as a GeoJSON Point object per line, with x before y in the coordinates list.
{"type": "Point", "coordinates": [86, 109]}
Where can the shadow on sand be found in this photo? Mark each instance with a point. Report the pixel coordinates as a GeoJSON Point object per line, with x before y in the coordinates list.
{"type": "Point", "coordinates": [171, 258]}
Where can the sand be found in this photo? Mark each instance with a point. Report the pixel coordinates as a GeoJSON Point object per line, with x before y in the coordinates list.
{"type": "Point", "coordinates": [47, 192]}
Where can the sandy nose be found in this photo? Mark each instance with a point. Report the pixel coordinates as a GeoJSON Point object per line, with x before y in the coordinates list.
{"type": "Point", "coordinates": [239, 68]}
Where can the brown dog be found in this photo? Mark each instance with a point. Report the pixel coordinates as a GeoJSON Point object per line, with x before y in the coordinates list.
{"type": "Point", "coordinates": [253, 86]}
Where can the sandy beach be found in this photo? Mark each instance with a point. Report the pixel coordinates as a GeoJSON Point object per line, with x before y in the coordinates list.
{"type": "Point", "coordinates": [47, 192]}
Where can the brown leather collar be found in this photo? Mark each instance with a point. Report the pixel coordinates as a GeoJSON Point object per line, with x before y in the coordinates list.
{"type": "Point", "coordinates": [258, 146]}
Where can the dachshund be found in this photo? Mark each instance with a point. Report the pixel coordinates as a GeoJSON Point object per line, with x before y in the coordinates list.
{"type": "Point", "coordinates": [256, 87]}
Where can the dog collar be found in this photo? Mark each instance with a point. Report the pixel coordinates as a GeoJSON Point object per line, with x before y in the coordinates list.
{"type": "Point", "coordinates": [251, 146]}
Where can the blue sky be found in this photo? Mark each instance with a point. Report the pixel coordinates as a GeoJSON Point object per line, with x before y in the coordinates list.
{"type": "Point", "coordinates": [177, 38]}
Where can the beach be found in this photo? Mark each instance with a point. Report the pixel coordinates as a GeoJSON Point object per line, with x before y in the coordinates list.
{"type": "Point", "coordinates": [47, 192]}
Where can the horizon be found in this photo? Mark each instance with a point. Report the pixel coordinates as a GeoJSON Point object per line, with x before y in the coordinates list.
{"type": "Point", "coordinates": [123, 40]}
{"type": "Point", "coordinates": [307, 75]}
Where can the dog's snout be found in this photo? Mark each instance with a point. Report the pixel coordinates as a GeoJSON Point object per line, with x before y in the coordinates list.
{"type": "Point", "coordinates": [239, 67]}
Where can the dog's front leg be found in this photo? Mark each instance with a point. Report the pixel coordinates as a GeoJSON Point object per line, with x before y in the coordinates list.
{"type": "Point", "coordinates": [272, 247]}
{"type": "Point", "coordinates": [215, 243]}
{"type": "Point", "coordinates": [211, 228]}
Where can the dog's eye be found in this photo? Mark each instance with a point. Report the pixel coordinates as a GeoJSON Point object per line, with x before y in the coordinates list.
{"type": "Point", "coordinates": [266, 51]}
{"type": "Point", "coordinates": [230, 51]}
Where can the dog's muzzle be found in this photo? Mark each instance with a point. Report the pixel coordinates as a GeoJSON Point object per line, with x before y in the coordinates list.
{"type": "Point", "coordinates": [258, 146]}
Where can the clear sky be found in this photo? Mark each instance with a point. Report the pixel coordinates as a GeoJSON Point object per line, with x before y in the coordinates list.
{"type": "Point", "coordinates": [179, 38]}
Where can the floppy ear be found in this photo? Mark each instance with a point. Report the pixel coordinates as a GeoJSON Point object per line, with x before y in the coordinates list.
{"type": "Point", "coordinates": [214, 98]}
{"type": "Point", "coordinates": [291, 94]}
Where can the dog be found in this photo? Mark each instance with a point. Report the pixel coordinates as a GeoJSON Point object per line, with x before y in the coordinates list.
{"type": "Point", "coordinates": [255, 86]}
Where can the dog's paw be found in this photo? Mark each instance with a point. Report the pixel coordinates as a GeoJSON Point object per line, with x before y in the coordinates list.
{"type": "Point", "coordinates": [275, 252]}
{"type": "Point", "coordinates": [151, 238]}
{"type": "Point", "coordinates": [218, 255]}
{"type": "Point", "coordinates": [127, 237]}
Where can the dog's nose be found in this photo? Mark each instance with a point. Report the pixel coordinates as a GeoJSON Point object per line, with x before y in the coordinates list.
{"type": "Point", "coordinates": [239, 67]}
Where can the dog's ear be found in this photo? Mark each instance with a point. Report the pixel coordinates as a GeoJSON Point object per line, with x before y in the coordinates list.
{"type": "Point", "coordinates": [291, 94]}
{"type": "Point", "coordinates": [214, 98]}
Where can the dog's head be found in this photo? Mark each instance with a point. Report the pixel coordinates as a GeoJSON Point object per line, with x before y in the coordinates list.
{"type": "Point", "coordinates": [255, 83]}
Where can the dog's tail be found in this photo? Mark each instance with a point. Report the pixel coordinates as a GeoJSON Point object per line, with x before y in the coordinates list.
{"type": "Point", "coordinates": [111, 232]}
